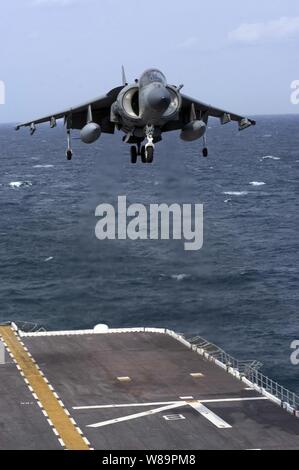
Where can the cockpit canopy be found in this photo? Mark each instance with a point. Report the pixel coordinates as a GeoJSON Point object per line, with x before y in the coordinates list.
{"type": "Point", "coordinates": [152, 76]}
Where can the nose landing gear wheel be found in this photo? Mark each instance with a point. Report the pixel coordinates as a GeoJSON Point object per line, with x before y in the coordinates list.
{"type": "Point", "coordinates": [143, 157]}
{"type": "Point", "coordinates": [134, 154]}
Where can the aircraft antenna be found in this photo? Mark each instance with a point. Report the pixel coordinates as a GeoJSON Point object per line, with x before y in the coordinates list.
{"type": "Point", "coordinates": [125, 82]}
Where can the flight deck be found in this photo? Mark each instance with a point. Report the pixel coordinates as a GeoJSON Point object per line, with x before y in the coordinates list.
{"type": "Point", "coordinates": [135, 389]}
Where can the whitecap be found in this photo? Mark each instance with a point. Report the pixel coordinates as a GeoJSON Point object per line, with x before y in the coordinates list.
{"type": "Point", "coordinates": [257, 183]}
{"type": "Point", "coordinates": [179, 277]}
{"type": "Point", "coordinates": [43, 166]}
{"type": "Point", "coordinates": [267, 136]}
{"type": "Point", "coordinates": [236, 193]}
{"type": "Point", "coordinates": [49, 259]}
{"type": "Point", "coordinates": [20, 184]}
{"type": "Point", "coordinates": [270, 157]}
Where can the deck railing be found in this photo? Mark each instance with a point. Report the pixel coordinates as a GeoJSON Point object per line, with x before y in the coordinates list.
{"type": "Point", "coordinates": [249, 370]}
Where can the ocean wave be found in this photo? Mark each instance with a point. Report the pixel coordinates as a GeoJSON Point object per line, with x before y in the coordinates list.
{"type": "Point", "coordinates": [179, 277]}
{"type": "Point", "coordinates": [43, 166]}
{"type": "Point", "coordinates": [270, 157]}
{"type": "Point", "coordinates": [257, 183]}
{"type": "Point", "coordinates": [20, 184]}
{"type": "Point", "coordinates": [236, 193]}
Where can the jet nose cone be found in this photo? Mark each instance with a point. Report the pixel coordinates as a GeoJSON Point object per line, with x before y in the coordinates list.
{"type": "Point", "coordinates": [159, 99]}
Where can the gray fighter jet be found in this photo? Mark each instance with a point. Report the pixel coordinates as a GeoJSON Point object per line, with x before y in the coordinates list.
{"type": "Point", "coordinates": [143, 111]}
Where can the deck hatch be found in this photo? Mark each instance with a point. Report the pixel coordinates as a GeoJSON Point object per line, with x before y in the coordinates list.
{"type": "Point", "coordinates": [174, 417]}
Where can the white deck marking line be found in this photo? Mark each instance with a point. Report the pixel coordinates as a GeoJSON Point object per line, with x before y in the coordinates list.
{"type": "Point", "coordinates": [61, 442]}
{"type": "Point", "coordinates": [135, 405]}
{"type": "Point", "coordinates": [128, 405]}
{"type": "Point", "coordinates": [197, 405]}
{"type": "Point", "coordinates": [227, 400]}
{"type": "Point", "coordinates": [136, 416]}
{"type": "Point", "coordinates": [209, 415]}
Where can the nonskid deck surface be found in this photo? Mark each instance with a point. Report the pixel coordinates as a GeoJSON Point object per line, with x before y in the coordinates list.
{"type": "Point", "coordinates": [127, 391]}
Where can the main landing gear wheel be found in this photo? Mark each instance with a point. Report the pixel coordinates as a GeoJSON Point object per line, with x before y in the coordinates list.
{"type": "Point", "coordinates": [143, 157]}
{"type": "Point", "coordinates": [205, 152]}
{"type": "Point", "coordinates": [134, 154]}
{"type": "Point", "coordinates": [149, 154]}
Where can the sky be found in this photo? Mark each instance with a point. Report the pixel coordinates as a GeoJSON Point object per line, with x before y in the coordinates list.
{"type": "Point", "coordinates": [241, 56]}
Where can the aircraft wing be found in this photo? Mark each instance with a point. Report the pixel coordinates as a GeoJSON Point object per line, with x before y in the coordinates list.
{"type": "Point", "coordinates": [223, 115]}
{"type": "Point", "coordinates": [76, 117]}
{"type": "Point", "coordinates": [204, 111]}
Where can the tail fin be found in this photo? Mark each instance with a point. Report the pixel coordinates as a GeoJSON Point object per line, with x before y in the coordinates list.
{"type": "Point", "coordinates": [124, 78]}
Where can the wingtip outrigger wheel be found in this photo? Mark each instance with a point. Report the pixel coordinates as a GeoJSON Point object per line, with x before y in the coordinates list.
{"type": "Point", "coordinates": [69, 154]}
{"type": "Point", "coordinates": [69, 151]}
{"type": "Point", "coordinates": [205, 150]}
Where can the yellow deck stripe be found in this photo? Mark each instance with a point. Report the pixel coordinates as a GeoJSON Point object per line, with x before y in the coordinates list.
{"type": "Point", "coordinates": [62, 423]}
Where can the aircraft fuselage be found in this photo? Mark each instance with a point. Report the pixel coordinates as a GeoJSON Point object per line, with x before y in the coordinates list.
{"type": "Point", "coordinates": [148, 102]}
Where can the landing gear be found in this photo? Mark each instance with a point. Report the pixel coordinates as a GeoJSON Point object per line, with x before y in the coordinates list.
{"type": "Point", "coordinates": [149, 154]}
{"type": "Point", "coordinates": [143, 157]}
{"type": "Point", "coordinates": [205, 150]}
{"type": "Point", "coordinates": [69, 152]}
{"type": "Point", "coordinates": [149, 148]}
{"type": "Point", "coordinates": [134, 154]}
{"type": "Point", "coordinates": [145, 152]}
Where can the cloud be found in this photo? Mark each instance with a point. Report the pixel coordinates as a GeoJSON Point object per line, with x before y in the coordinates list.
{"type": "Point", "coordinates": [252, 33]}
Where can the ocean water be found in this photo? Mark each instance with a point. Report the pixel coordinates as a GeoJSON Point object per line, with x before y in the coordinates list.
{"type": "Point", "coordinates": [240, 291]}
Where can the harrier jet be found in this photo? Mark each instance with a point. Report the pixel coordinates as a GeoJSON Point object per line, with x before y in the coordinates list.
{"type": "Point", "coordinates": [143, 111]}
